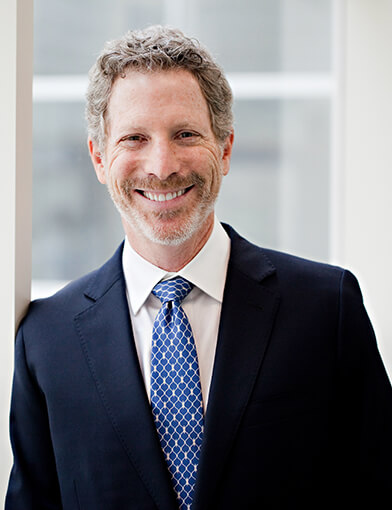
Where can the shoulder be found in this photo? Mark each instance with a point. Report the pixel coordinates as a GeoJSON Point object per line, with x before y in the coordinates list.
{"type": "Point", "coordinates": [295, 269]}
{"type": "Point", "coordinates": [55, 311]}
{"type": "Point", "coordinates": [286, 267]}
{"type": "Point", "coordinates": [294, 278]}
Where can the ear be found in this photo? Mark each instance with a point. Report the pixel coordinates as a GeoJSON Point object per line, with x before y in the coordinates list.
{"type": "Point", "coordinates": [97, 160]}
{"type": "Point", "coordinates": [227, 150]}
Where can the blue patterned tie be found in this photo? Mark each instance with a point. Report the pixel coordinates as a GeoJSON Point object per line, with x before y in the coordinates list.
{"type": "Point", "coordinates": [175, 388]}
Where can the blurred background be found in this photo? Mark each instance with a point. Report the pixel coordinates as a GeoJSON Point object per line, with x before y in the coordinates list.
{"type": "Point", "coordinates": [278, 55]}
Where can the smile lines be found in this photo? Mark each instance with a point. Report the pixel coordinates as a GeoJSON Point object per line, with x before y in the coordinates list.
{"type": "Point", "coordinates": [162, 197]}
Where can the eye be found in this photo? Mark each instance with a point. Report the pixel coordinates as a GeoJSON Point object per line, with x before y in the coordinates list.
{"type": "Point", "coordinates": [134, 140]}
{"type": "Point", "coordinates": [188, 136]}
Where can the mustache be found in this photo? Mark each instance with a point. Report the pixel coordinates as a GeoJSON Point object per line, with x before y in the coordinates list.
{"type": "Point", "coordinates": [173, 181]}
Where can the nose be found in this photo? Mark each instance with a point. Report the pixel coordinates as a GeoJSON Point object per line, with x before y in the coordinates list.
{"type": "Point", "coordinates": [162, 159]}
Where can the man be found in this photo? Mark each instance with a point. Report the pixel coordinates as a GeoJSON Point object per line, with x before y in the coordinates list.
{"type": "Point", "coordinates": [260, 387]}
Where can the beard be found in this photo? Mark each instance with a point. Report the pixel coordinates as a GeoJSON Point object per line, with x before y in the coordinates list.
{"type": "Point", "coordinates": [156, 225]}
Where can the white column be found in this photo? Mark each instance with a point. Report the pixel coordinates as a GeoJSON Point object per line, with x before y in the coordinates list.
{"type": "Point", "coordinates": [367, 183]}
{"type": "Point", "coordinates": [16, 48]}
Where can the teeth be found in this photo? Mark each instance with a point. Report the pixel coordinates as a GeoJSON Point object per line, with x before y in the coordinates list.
{"type": "Point", "coordinates": [163, 197]}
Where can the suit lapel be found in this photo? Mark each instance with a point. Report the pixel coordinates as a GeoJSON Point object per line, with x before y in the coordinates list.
{"type": "Point", "coordinates": [247, 317]}
{"type": "Point", "coordinates": [107, 341]}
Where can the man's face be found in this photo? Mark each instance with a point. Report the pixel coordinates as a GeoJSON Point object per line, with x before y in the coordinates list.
{"type": "Point", "coordinates": [162, 163]}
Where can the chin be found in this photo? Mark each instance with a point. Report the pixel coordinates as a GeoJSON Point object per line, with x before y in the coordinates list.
{"type": "Point", "coordinates": [172, 232]}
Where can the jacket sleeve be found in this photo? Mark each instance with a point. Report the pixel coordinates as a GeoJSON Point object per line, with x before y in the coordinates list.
{"type": "Point", "coordinates": [365, 427]}
{"type": "Point", "coordinates": [33, 483]}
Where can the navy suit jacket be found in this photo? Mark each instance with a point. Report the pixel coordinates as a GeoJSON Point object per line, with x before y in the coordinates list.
{"type": "Point", "coordinates": [299, 413]}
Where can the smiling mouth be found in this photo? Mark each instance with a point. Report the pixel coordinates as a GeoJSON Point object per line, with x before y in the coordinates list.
{"type": "Point", "coordinates": [163, 196]}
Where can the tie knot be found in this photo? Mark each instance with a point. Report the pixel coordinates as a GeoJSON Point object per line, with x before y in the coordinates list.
{"type": "Point", "coordinates": [172, 290]}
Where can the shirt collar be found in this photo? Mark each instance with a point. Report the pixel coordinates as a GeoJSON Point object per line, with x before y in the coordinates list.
{"type": "Point", "coordinates": [207, 270]}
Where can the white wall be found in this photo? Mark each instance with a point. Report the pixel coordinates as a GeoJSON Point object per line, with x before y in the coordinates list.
{"type": "Point", "coordinates": [16, 17]}
{"type": "Point", "coordinates": [367, 168]}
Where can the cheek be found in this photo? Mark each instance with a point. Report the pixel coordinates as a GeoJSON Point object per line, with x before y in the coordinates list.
{"type": "Point", "coordinates": [120, 168]}
{"type": "Point", "coordinates": [214, 169]}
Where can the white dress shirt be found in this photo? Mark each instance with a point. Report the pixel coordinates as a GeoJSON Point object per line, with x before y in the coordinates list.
{"type": "Point", "coordinates": [207, 271]}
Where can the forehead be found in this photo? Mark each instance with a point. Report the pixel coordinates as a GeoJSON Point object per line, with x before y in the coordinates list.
{"type": "Point", "coordinates": [138, 93]}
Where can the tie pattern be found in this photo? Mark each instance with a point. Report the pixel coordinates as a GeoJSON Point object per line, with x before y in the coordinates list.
{"type": "Point", "coordinates": [175, 388]}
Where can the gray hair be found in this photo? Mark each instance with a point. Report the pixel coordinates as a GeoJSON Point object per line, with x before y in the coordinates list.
{"type": "Point", "coordinates": [157, 48]}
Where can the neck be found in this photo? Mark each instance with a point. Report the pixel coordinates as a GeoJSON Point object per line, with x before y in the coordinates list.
{"type": "Point", "coordinates": [168, 257]}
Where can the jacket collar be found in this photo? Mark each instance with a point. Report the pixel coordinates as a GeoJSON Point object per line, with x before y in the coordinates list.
{"type": "Point", "coordinates": [246, 257]}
